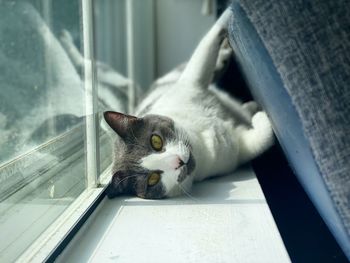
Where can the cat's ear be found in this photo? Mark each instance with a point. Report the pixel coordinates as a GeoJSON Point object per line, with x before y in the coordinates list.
{"type": "Point", "coordinates": [120, 122]}
{"type": "Point", "coordinates": [115, 187]}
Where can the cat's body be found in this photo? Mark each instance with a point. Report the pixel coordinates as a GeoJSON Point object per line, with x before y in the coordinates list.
{"type": "Point", "coordinates": [186, 129]}
{"type": "Point", "coordinates": [209, 125]}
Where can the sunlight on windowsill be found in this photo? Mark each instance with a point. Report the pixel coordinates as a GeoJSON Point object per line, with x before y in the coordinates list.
{"type": "Point", "coordinates": [225, 218]}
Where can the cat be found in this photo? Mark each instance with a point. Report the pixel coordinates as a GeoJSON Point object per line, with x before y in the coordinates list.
{"type": "Point", "coordinates": [186, 130]}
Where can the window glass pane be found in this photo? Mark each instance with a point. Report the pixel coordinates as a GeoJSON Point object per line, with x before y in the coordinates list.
{"type": "Point", "coordinates": [42, 124]}
{"type": "Point", "coordinates": [42, 93]}
{"type": "Point", "coordinates": [124, 47]}
{"type": "Point", "coordinates": [112, 81]}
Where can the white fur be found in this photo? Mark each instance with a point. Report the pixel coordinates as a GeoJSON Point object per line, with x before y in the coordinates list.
{"type": "Point", "coordinates": [167, 162]}
{"type": "Point", "coordinates": [168, 159]}
{"type": "Point", "coordinates": [223, 133]}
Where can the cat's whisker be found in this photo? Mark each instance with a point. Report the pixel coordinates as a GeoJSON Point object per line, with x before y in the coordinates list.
{"type": "Point", "coordinates": [188, 194]}
{"type": "Point", "coordinates": [185, 191]}
{"type": "Point", "coordinates": [119, 182]}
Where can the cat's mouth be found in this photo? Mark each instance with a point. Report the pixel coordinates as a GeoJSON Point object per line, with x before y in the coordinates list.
{"type": "Point", "coordinates": [186, 168]}
{"type": "Point", "coordinates": [183, 174]}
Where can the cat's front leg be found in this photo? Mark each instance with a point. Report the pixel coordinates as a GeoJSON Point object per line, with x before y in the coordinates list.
{"type": "Point", "coordinates": [200, 68]}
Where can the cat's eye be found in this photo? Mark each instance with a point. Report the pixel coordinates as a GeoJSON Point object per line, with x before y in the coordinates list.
{"type": "Point", "coordinates": [153, 179]}
{"type": "Point", "coordinates": [156, 142]}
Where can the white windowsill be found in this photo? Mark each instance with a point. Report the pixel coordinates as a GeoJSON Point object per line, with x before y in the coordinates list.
{"type": "Point", "coordinates": [227, 221]}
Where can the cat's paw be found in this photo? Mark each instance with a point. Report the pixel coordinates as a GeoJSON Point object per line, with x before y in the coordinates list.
{"type": "Point", "coordinates": [223, 60]}
{"type": "Point", "coordinates": [224, 56]}
{"type": "Point", "coordinates": [225, 18]}
{"type": "Point", "coordinates": [262, 125]}
{"type": "Point", "coordinates": [257, 139]}
{"type": "Point", "coordinates": [260, 120]}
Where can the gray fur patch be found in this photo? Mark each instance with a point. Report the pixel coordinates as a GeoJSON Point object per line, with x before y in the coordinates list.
{"type": "Point", "coordinates": [129, 176]}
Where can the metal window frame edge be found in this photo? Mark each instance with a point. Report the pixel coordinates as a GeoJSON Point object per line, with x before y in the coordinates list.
{"type": "Point", "coordinates": [92, 119]}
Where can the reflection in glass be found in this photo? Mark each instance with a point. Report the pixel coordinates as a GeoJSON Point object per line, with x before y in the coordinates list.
{"type": "Point", "coordinates": [42, 132]}
{"type": "Point", "coordinates": [41, 92]}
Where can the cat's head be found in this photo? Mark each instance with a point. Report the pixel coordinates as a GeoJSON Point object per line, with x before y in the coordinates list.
{"type": "Point", "coordinates": [153, 157]}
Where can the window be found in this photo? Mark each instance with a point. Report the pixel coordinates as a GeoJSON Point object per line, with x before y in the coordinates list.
{"type": "Point", "coordinates": [62, 63]}
{"type": "Point", "coordinates": [53, 149]}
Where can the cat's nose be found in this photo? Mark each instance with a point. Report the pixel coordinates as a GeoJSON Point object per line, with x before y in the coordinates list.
{"type": "Point", "coordinates": [180, 163]}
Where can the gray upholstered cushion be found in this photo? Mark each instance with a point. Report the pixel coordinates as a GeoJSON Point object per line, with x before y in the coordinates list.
{"type": "Point", "coordinates": [309, 44]}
